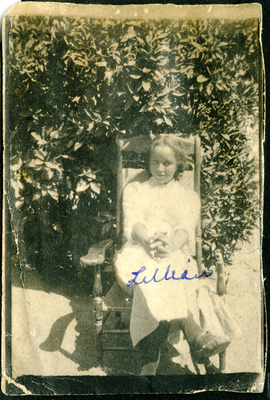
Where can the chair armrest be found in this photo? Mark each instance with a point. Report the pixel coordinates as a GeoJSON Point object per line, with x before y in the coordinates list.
{"type": "Point", "coordinates": [96, 254]}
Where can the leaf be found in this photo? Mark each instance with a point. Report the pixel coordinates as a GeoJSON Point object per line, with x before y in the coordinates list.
{"type": "Point", "coordinates": [38, 138]}
{"type": "Point", "coordinates": [215, 147]}
{"type": "Point", "coordinates": [89, 115]}
{"type": "Point", "coordinates": [30, 43]}
{"type": "Point", "coordinates": [36, 196]}
{"type": "Point", "coordinates": [108, 76]}
{"type": "Point", "coordinates": [53, 193]}
{"type": "Point", "coordinates": [19, 203]}
{"type": "Point", "coordinates": [131, 91]}
{"type": "Point", "coordinates": [40, 154]}
{"type": "Point", "coordinates": [159, 121]}
{"type": "Point", "coordinates": [168, 121]}
{"type": "Point", "coordinates": [226, 136]}
{"type": "Point", "coordinates": [35, 162]}
{"type": "Point", "coordinates": [57, 228]}
{"type": "Point", "coordinates": [209, 88]}
{"type": "Point", "coordinates": [165, 91]}
{"type": "Point", "coordinates": [198, 46]}
{"type": "Point", "coordinates": [52, 165]}
{"type": "Point", "coordinates": [219, 85]}
{"type": "Point", "coordinates": [146, 85]}
{"type": "Point", "coordinates": [101, 63]}
{"type": "Point", "coordinates": [77, 145]}
{"type": "Point", "coordinates": [54, 134]}
{"type": "Point", "coordinates": [17, 166]}
{"type": "Point", "coordinates": [90, 126]}
{"type": "Point", "coordinates": [89, 174]}
{"type": "Point", "coordinates": [131, 34]}
{"type": "Point", "coordinates": [144, 108]}
{"type": "Point", "coordinates": [135, 76]}
{"type": "Point", "coordinates": [163, 48]}
{"type": "Point", "coordinates": [159, 75]}
{"type": "Point", "coordinates": [241, 72]}
{"type": "Point", "coordinates": [82, 186]}
{"type": "Point", "coordinates": [163, 61]}
{"type": "Point", "coordinates": [178, 94]}
{"type": "Point", "coordinates": [223, 44]}
{"type": "Point", "coordinates": [201, 79]}
{"type": "Point", "coordinates": [128, 104]}
{"type": "Point", "coordinates": [95, 187]}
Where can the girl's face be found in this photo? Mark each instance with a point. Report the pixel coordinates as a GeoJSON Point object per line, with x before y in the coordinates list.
{"type": "Point", "coordinates": [163, 164]}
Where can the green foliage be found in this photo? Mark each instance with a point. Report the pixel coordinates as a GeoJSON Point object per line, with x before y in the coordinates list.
{"type": "Point", "coordinates": [74, 84]}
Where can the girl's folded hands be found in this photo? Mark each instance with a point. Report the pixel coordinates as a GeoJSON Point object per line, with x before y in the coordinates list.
{"type": "Point", "coordinates": [161, 246]}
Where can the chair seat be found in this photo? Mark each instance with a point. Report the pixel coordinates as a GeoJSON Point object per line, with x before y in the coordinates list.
{"type": "Point", "coordinates": [116, 299]}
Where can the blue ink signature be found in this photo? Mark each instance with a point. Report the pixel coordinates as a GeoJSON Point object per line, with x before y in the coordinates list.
{"type": "Point", "coordinates": [166, 276]}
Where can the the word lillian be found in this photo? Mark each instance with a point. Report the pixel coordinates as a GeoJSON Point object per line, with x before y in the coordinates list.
{"type": "Point", "coordinates": [167, 276]}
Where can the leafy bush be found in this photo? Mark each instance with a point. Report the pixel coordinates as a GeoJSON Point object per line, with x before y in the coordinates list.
{"type": "Point", "coordinates": [73, 84]}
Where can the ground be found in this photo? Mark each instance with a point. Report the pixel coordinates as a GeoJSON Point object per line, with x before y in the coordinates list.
{"type": "Point", "coordinates": [53, 334]}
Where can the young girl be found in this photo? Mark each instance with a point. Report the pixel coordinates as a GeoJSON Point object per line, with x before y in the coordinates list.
{"type": "Point", "coordinates": [155, 263]}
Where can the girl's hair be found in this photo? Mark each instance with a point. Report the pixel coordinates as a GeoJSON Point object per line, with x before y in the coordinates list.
{"type": "Point", "coordinates": [174, 143]}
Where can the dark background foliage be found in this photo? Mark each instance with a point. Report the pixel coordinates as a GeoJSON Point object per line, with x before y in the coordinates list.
{"type": "Point", "coordinates": [73, 84]}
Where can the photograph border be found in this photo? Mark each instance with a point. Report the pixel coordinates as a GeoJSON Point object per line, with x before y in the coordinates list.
{"type": "Point", "coordinates": [103, 385]}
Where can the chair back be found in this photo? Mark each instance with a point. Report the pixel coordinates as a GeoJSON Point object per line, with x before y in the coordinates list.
{"type": "Point", "coordinates": [133, 160]}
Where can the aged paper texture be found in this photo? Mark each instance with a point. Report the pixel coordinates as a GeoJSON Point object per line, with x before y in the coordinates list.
{"type": "Point", "coordinates": [132, 199]}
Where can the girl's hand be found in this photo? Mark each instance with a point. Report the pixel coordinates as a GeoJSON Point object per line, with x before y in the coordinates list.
{"type": "Point", "coordinates": [165, 251]}
{"type": "Point", "coordinates": [159, 237]}
{"type": "Point", "coordinates": [161, 246]}
{"type": "Point", "coordinates": [153, 245]}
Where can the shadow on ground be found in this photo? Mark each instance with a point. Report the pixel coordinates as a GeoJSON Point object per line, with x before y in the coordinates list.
{"type": "Point", "coordinates": [78, 292]}
{"type": "Point", "coordinates": [85, 355]}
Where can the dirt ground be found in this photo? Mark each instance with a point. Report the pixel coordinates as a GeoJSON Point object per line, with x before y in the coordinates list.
{"type": "Point", "coordinates": [53, 335]}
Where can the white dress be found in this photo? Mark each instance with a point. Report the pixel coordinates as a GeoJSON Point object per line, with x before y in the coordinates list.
{"type": "Point", "coordinates": [161, 208]}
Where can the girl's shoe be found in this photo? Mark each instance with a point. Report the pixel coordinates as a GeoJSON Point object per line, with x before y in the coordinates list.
{"type": "Point", "coordinates": [210, 368]}
{"type": "Point", "coordinates": [208, 345]}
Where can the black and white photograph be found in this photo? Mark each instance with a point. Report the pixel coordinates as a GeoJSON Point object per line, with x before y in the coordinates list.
{"type": "Point", "coordinates": [133, 184]}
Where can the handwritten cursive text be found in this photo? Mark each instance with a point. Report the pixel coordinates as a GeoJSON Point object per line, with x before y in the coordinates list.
{"type": "Point", "coordinates": [166, 276]}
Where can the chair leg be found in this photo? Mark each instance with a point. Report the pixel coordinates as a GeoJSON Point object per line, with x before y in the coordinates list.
{"type": "Point", "coordinates": [98, 316]}
{"type": "Point", "coordinates": [98, 312]}
{"type": "Point", "coordinates": [195, 365]}
{"type": "Point", "coordinates": [99, 348]}
{"type": "Point", "coordinates": [222, 360]}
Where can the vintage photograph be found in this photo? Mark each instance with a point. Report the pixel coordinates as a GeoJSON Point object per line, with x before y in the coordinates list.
{"type": "Point", "coordinates": [132, 199]}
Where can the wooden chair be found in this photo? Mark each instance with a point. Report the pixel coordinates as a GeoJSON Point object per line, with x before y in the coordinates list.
{"type": "Point", "coordinates": [132, 161]}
